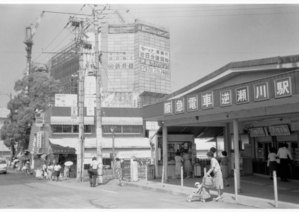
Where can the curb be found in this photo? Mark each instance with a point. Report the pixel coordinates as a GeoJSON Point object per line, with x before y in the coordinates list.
{"type": "Point", "coordinates": [229, 198]}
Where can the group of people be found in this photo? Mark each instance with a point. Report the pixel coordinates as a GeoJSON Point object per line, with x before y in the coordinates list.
{"type": "Point", "coordinates": [280, 159]}
{"type": "Point", "coordinates": [52, 171]}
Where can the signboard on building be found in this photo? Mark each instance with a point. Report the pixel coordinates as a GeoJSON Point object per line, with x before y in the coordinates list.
{"type": "Point", "coordinates": [258, 132]}
{"type": "Point", "coordinates": [207, 100]}
{"type": "Point", "coordinates": [154, 57]}
{"type": "Point", "coordinates": [192, 102]}
{"type": "Point", "coordinates": [279, 130]}
{"type": "Point", "coordinates": [283, 87]}
{"type": "Point", "coordinates": [168, 107]}
{"type": "Point", "coordinates": [179, 105]}
{"type": "Point", "coordinates": [65, 100]}
{"type": "Point", "coordinates": [242, 95]}
{"type": "Point", "coordinates": [225, 98]}
{"type": "Point", "coordinates": [261, 91]}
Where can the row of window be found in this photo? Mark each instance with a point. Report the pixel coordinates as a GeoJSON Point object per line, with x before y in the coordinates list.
{"type": "Point", "coordinates": [119, 66]}
{"type": "Point", "coordinates": [107, 129]}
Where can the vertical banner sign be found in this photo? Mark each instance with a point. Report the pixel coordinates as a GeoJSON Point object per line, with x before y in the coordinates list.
{"type": "Point", "coordinates": [207, 100]}
{"type": "Point", "coordinates": [168, 107]}
{"type": "Point", "coordinates": [179, 105]}
{"type": "Point", "coordinates": [261, 91]}
{"type": "Point", "coordinates": [242, 95]}
{"type": "Point", "coordinates": [74, 112]}
{"type": "Point", "coordinates": [192, 103]}
{"type": "Point", "coordinates": [225, 98]}
{"type": "Point", "coordinates": [283, 87]}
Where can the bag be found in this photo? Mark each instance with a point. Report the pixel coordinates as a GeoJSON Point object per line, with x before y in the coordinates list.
{"type": "Point", "coordinates": [208, 181]}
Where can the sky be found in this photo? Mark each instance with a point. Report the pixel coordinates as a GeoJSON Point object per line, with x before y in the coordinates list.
{"type": "Point", "coordinates": [203, 38]}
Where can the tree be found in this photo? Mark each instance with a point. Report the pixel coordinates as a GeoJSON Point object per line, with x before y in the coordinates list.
{"type": "Point", "coordinates": [35, 93]}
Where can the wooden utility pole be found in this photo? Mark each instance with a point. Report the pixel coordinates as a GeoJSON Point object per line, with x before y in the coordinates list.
{"type": "Point", "coordinates": [98, 97]}
{"type": "Point", "coordinates": [80, 155]}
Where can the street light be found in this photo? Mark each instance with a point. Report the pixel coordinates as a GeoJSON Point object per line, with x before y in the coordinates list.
{"type": "Point", "coordinates": [113, 153]}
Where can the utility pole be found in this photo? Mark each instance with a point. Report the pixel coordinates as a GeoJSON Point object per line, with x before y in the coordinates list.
{"type": "Point", "coordinates": [79, 26]}
{"type": "Point", "coordinates": [98, 97]}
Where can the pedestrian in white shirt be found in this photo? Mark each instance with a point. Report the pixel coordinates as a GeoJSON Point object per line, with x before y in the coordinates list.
{"type": "Point", "coordinates": [93, 172]}
{"type": "Point", "coordinates": [284, 157]}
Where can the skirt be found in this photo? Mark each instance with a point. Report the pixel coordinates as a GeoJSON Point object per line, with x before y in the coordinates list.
{"type": "Point", "coordinates": [218, 180]}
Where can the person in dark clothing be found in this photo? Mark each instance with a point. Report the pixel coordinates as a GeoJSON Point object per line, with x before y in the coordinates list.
{"type": "Point", "coordinates": [284, 157]}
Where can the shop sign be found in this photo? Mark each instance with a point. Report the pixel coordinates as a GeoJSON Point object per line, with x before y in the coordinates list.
{"type": "Point", "coordinates": [153, 30]}
{"type": "Point", "coordinates": [207, 100]}
{"type": "Point", "coordinates": [261, 91]}
{"type": "Point", "coordinates": [179, 106]}
{"type": "Point", "coordinates": [242, 95]}
{"type": "Point", "coordinates": [225, 98]}
{"type": "Point", "coordinates": [258, 132]}
{"type": "Point", "coordinates": [192, 103]}
{"type": "Point", "coordinates": [168, 107]}
{"type": "Point", "coordinates": [283, 87]}
{"type": "Point", "coordinates": [279, 130]}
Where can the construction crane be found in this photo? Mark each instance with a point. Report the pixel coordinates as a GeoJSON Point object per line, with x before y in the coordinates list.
{"type": "Point", "coordinates": [29, 34]}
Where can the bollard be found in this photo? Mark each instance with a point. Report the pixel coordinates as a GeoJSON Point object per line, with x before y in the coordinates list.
{"type": "Point", "coordinates": [146, 173]}
{"type": "Point", "coordinates": [182, 176]}
{"type": "Point", "coordinates": [275, 189]}
{"type": "Point", "coordinates": [236, 184]}
{"type": "Point", "coordinates": [162, 175]}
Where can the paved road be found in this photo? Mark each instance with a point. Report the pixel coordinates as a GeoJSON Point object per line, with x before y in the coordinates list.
{"type": "Point", "coordinates": [21, 191]}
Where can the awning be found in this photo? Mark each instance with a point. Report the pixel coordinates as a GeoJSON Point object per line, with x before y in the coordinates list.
{"type": "Point", "coordinates": [58, 149]}
{"type": "Point", "coordinates": [67, 120]}
{"type": "Point", "coordinates": [119, 142]}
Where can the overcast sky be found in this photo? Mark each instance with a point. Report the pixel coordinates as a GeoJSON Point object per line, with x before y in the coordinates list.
{"type": "Point", "coordinates": [203, 38]}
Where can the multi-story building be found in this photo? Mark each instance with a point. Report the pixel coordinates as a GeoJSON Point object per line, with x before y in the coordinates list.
{"type": "Point", "coordinates": [135, 71]}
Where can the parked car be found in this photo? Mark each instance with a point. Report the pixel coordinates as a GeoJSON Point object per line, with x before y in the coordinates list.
{"type": "Point", "coordinates": [3, 166]}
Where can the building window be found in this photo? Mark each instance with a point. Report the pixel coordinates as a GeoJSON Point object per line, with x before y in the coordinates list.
{"type": "Point", "coordinates": [131, 66]}
{"type": "Point", "coordinates": [132, 129]}
{"type": "Point", "coordinates": [87, 128]}
{"type": "Point", "coordinates": [124, 65]}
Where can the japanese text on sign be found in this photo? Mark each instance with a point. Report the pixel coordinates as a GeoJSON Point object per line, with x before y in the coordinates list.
{"type": "Point", "coordinates": [261, 91]}
{"type": "Point", "coordinates": [167, 107]}
{"type": "Point", "coordinates": [192, 103]}
{"type": "Point", "coordinates": [179, 105]}
{"type": "Point", "coordinates": [283, 87]}
{"type": "Point", "coordinates": [225, 97]}
{"type": "Point", "coordinates": [242, 95]}
{"type": "Point", "coordinates": [207, 100]}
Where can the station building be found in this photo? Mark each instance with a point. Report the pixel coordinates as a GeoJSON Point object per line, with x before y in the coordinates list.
{"type": "Point", "coordinates": [252, 104]}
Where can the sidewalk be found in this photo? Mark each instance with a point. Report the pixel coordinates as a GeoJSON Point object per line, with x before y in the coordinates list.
{"type": "Point", "coordinates": [255, 191]}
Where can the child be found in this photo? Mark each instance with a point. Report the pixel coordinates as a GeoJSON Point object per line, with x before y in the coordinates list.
{"type": "Point", "coordinates": [201, 194]}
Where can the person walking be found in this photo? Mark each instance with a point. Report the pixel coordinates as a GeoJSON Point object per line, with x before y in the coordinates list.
{"type": "Point", "coordinates": [272, 164]}
{"type": "Point", "coordinates": [284, 157]}
{"type": "Point", "coordinates": [93, 172]}
{"type": "Point", "coordinates": [66, 172]}
{"type": "Point", "coordinates": [178, 164]}
{"type": "Point", "coordinates": [224, 167]}
{"type": "Point", "coordinates": [217, 179]}
{"type": "Point", "coordinates": [44, 170]}
{"type": "Point", "coordinates": [118, 171]}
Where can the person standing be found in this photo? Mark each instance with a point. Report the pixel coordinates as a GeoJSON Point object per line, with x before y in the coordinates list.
{"type": "Point", "coordinates": [50, 171]}
{"type": "Point", "coordinates": [93, 172]}
{"type": "Point", "coordinates": [284, 157]}
{"type": "Point", "coordinates": [118, 171]}
{"type": "Point", "coordinates": [57, 168]}
{"type": "Point", "coordinates": [272, 162]}
{"type": "Point", "coordinates": [217, 179]}
{"type": "Point", "coordinates": [66, 172]}
{"type": "Point", "coordinates": [224, 167]}
{"type": "Point", "coordinates": [178, 164]}
{"type": "Point", "coordinates": [44, 170]}
{"type": "Point", "coordinates": [187, 164]}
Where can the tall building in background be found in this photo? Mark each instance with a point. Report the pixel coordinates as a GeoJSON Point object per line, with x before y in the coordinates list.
{"type": "Point", "coordinates": [135, 59]}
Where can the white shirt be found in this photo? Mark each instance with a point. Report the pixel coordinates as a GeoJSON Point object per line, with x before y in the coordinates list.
{"type": "Point", "coordinates": [283, 153]}
{"type": "Point", "coordinates": [94, 164]}
{"type": "Point", "coordinates": [57, 168]}
{"type": "Point", "coordinates": [215, 165]}
{"type": "Point", "coordinates": [272, 156]}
